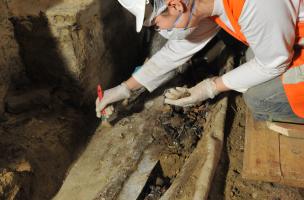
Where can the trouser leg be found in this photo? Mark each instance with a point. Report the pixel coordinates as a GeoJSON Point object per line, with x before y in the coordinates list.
{"type": "Point", "coordinates": [268, 101]}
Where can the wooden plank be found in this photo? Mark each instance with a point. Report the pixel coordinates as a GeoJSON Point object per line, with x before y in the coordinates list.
{"type": "Point", "coordinates": [261, 156]}
{"type": "Point", "coordinates": [292, 160]}
{"type": "Point", "coordinates": [291, 130]}
{"type": "Point", "coordinates": [272, 157]}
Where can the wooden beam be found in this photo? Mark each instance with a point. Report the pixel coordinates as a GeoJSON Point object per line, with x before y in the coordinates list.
{"type": "Point", "coordinates": [272, 157]}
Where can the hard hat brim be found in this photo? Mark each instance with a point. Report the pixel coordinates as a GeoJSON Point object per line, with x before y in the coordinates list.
{"type": "Point", "coordinates": [140, 15]}
{"type": "Point", "coordinates": [137, 8]}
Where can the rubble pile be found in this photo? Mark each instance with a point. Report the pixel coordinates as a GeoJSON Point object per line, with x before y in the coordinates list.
{"type": "Point", "coordinates": [156, 186]}
{"type": "Point", "coordinates": [184, 127]}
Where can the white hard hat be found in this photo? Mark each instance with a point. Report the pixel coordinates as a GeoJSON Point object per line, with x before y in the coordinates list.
{"type": "Point", "coordinates": [137, 8]}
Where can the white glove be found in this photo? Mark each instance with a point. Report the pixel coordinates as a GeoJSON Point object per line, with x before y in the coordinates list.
{"type": "Point", "coordinates": [112, 95]}
{"type": "Point", "coordinates": [186, 97]}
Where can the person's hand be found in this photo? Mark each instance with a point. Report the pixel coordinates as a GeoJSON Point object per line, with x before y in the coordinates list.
{"type": "Point", "coordinates": [186, 97]}
{"type": "Point", "coordinates": [112, 95]}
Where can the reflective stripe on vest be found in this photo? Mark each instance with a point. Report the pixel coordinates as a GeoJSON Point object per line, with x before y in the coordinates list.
{"type": "Point", "coordinates": [294, 75]}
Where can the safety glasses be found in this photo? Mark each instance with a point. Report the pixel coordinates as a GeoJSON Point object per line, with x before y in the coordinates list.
{"type": "Point", "coordinates": [157, 7]}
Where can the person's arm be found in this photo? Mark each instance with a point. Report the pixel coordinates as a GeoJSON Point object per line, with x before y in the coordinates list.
{"type": "Point", "coordinates": [159, 68]}
{"type": "Point", "coordinates": [269, 28]}
{"type": "Point", "coordinates": [172, 55]}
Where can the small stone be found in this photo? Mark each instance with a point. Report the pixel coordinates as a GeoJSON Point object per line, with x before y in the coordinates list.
{"type": "Point", "coordinates": [24, 166]}
{"type": "Point", "coordinates": [59, 18]}
{"type": "Point", "coordinates": [166, 109]}
{"type": "Point", "coordinates": [176, 121]}
{"type": "Point", "coordinates": [254, 195]}
{"type": "Point", "coordinates": [149, 104]}
{"type": "Point", "coordinates": [125, 121]}
{"type": "Point", "coordinates": [159, 182]}
{"type": "Point", "coordinates": [242, 123]}
{"type": "Point", "coordinates": [269, 186]}
{"type": "Point", "coordinates": [122, 135]}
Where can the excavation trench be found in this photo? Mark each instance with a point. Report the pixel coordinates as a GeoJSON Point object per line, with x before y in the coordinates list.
{"type": "Point", "coordinates": [48, 119]}
{"type": "Point", "coordinates": [51, 144]}
{"type": "Point", "coordinates": [63, 49]}
{"type": "Point", "coordinates": [53, 54]}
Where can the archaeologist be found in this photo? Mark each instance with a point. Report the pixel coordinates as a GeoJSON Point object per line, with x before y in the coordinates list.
{"type": "Point", "coordinates": [272, 80]}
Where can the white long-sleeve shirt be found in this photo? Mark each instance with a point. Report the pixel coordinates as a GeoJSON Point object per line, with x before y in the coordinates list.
{"type": "Point", "coordinates": [269, 27]}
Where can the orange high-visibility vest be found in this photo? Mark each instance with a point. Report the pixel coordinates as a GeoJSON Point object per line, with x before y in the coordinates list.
{"type": "Point", "coordinates": [292, 79]}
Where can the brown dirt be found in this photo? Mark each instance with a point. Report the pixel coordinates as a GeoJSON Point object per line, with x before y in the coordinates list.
{"type": "Point", "coordinates": [229, 183]}
{"type": "Point", "coordinates": [37, 147]}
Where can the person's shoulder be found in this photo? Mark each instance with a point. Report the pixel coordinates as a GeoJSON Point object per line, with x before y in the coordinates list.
{"type": "Point", "coordinates": [262, 9]}
{"type": "Point", "coordinates": [269, 4]}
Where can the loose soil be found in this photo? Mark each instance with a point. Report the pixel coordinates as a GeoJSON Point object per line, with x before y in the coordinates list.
{"type": "Point", "coordinates": [228, 183]}
{"type": "Point", "coordinates": [181, 130]}
{"type": "Point", "coordinates": [39, 142]}
{"type": "Point", "coordinates": [38, 145]}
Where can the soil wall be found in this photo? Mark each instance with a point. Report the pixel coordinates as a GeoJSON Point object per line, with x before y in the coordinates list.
{"type": "Point", "coordinates": [53, 53]}
{"type": "Point", "coordinates": [76, 43]}
{"type": "Point", "coordinates": [10, 64]}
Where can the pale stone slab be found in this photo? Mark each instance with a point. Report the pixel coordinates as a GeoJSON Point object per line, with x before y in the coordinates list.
{"type": "Point", "coordinates": [105, 164]}
{"type": "Point", "coordinates": [114, 157]}
{"type": "Point", "coordinates": [137, 181]}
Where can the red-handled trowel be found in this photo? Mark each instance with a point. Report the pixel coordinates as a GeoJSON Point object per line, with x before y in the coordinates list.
{"type": "Point", "coordinates": [103, 112]}
{"type": "Point", "coordinates": [100, 96]}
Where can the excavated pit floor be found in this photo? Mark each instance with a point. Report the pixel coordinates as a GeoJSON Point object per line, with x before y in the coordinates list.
{"type": "Point", "coordinates": [41, 135]}
{"type": "Point", "coordinates": [114, 153]}
{"type": "Point", "coordinates": [39, 145]}
{"type": "Point", "coordinates": [44, 132]}
{"type": "Point", "coordinates": [228, 181]}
